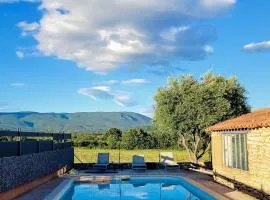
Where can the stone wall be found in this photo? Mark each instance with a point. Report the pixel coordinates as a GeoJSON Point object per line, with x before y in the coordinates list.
{"type": "Point", "coordinates": [258, 174]}
{"type": "Point", "coordinates": [18, 170]}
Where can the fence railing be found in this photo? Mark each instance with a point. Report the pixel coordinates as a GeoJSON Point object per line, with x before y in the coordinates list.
{"type": "Point", "coordinates": [16, 143]}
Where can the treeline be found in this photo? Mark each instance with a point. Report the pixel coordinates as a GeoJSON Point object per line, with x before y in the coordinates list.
{"type": "Point", "coordinates": [134, 138]}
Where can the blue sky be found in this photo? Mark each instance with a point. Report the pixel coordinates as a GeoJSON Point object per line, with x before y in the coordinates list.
{"type": "Point", "coordinates": [85, 55]}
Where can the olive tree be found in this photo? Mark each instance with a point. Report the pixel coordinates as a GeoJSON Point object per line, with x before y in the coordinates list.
{"type": "Point", "coordinates": [187, 106]}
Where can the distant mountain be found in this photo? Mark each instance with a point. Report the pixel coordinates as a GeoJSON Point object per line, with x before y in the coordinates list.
{"type": "Point", "coordinates": [75, 122]}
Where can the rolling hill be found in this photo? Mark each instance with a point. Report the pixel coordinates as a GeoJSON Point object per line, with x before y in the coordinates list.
{"type": "Point", "coordinates": [75, 122]}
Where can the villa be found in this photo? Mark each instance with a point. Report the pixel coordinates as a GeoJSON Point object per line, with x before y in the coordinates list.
{"type": "Point", "coordinates": [240, 151]}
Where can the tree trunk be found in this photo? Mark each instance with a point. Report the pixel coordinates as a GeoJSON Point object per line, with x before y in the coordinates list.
{"type": "Point", "coordinates": [196, 145]}
{"type": "Point", "coordinates": [193, 153]}
{"type": "Point", "coordinates": [183, 140]}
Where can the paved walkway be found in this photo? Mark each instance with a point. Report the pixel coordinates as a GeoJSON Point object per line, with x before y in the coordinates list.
{"type": "Point", "coordinates": [42, 191]}
{"type": "Point", "coordinates": [203, 181]}
{"type": "Point", "coordinates": [206, 183]}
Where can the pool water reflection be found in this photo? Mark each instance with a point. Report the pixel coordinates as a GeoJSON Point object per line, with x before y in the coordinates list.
{"type": "Point", "coordinates": [146, 188]}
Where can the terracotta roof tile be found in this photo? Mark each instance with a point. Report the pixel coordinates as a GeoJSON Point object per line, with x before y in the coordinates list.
{"type": "Point", "coordinates": [253, 120]}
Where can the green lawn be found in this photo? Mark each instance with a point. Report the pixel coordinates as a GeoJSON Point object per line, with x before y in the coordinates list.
{"type": "Point", "coordinates": [151, 155]}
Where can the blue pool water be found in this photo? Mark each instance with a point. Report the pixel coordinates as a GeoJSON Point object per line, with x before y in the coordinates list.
{"type": "Point", "coordinates": [144, 188]}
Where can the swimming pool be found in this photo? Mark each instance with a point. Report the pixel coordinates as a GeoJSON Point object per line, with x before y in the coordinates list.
{"type": "Point", "coordinates": [144, 188]}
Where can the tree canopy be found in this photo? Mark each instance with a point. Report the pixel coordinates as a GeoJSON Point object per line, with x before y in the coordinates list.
{"type": "Point", "coordinates": [113, 137]}
{"type": "Point", "coordinates": [137, 138]}
{"type": "Point", "coordinates": [187, 106]}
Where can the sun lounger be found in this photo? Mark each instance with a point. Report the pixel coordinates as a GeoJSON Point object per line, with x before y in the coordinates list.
{"type": "Point", "coordinates": [138, 162]}
{"type": "Point", "coordinates": [102, 161]}
{"type": "Point", "coordinates": [167, 160]}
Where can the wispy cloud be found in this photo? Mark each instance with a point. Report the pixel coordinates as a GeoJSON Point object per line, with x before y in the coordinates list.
{"type": "Point", "coordinates": [96, 93]}
{"type": "Point", "coordinates": [136, 81]}
{"type": "Point", "coordinates": [30, 51]}
{"type": "Point", "coordinates": [28, 28]}
{"type": "Point", "coordinates": [124, 98]}
{"type": "Point", "coordinates": [20, 54]}
{"type": "Point", "coordinates": [121, 98]}
{"type": "Point", "coordinates": [257, 47]}
{"type": "Point", "coordinates": [18, 85]}
{"type": "Point", "coordinates": [102, 35]}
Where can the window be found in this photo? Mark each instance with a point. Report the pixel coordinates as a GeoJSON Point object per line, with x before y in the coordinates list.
{"type": "Point", "coordinates": [235, 151]}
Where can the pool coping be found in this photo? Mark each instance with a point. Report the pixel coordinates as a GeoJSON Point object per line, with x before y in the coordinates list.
{"type": "Point", "coordinates": [232, 195]}
{"type": "Point", "coordinates": [209, 191]}
{"type": "Point", "coordinates": [59, 191]}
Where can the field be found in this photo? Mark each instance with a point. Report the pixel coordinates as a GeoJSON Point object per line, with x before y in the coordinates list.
{"type": "Point", "coordinates": [151, 155]}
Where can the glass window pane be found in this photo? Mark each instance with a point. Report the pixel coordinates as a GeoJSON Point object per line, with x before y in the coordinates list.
{"type": "Point", "coordinates": [235, 151]}
{"type": "Point", "coordinates": [241, 153]}
{"type": "Point", "coordinates": [238, 150]}
{"type": "Point", "coordinates": [245, 152]}
{"type": "Point", "coordinates": [230, 151]}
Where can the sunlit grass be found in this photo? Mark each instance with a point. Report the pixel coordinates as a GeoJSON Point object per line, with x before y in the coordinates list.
{"type": "Point", "coordinates": [151, 155]}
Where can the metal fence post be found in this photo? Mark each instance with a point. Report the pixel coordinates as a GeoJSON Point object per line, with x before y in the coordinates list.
{"type": "Point", "coordinates": [52, 142]}
{"type": "Point", "coordinates": [38, 142]}
{"type": "Point", "coordinates": [20, 144]}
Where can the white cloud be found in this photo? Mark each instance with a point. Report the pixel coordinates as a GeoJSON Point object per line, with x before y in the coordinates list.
{"type": "Point", "coordinates": [96, 93]}
{"type": "Point", "coordinates": [18, 85]}
{"type": "Point", "coordinates": [28, 28]}
{"type": "Point", "coordinates": [121, 98]}
{"type": "Point", "coordinates": [137, 81]}
{"type": "Point", "coordinates": [20, 54]}
{"type": "Point", "coordinates": [257, 47]}
{"type": "Point", "coordinates": [103, 35]}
